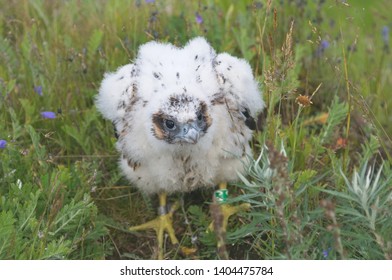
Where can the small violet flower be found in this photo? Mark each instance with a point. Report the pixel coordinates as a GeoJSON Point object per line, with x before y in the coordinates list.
{"type": "Point", "coordinates": [48, 115]}
{"type": "Point", "coordinates": [38, 90]}
{"type": "Point", "coordinates": [258, 5]}
{"type": "Point", "coordinates": [3, 144]}
{"type": "Point", "coordinates": [149, 1]}
{"type": "Point", "coordinates": [199, 18]}
{"type": "Point", "coordinates": [326, 253]}
{"type": "Point", "coordinates": [324, 44]}
{"type": "Point", "coordinates": [385, 34]}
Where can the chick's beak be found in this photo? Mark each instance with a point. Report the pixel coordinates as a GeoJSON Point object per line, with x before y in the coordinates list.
{"type": "Point", "coordinates": [190, 134]}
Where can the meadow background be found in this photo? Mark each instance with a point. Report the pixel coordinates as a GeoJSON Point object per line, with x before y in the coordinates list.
{"type": "Point", "coordinates": [321, 182]}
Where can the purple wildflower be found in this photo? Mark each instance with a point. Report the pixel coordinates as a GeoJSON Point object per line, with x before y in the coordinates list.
{"type": "Point", "coordinates": [199, 18]}
{"type": "Point", "coordinates": [38, 90]}
{"type": "Point", "coordinates": [258, 5]}
{"type": "Point", "coordinates": [324, 44]}
{"type": "Point", "coordinates": [326, 253]}
{"type": "Point", "coordinates": [3, 144]}
{"type": "Point", "coordinates": [48, 115]}
{"type": "Point", "coordinates": [385, 34]}
{"type": "Point", "coordinates": [149, 1]}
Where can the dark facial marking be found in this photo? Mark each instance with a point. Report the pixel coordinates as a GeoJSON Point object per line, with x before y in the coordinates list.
{"type": "Point", "coordinates": [164, 127]}
{"type": "Point", "coordinates": [157, 129]}
{"type": "Point", "coordinates": [205, 117]}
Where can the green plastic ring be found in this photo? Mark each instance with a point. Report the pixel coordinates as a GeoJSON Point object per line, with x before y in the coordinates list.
{"type": "Point", "coordinates": [221, 195]}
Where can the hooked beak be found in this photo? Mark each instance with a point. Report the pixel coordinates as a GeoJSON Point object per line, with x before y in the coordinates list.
{"type": "Point", "coordinates": [189, 134]}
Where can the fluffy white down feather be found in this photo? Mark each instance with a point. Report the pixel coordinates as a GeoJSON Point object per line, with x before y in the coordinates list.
{"type": "Point", "coordinates": [130, 96]}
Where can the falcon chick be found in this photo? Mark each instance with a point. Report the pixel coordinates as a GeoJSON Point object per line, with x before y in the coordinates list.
{"type": "Point", "coordinates": [184, 118]}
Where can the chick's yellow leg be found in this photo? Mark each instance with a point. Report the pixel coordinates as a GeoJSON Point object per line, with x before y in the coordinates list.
{"type": "Point", "coordinates": [227, 210]}
{"type": "Point", "coordinates": [163, 223]}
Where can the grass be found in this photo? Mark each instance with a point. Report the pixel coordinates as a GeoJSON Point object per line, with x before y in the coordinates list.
{"type": "Point", "coordinates": [320, 185]}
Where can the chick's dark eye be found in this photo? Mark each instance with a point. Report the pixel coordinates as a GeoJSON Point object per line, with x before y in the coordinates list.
{"type": "Point", "coordinates": [199, 116]}
{"type": "Point", "coordinates": [170, 124]}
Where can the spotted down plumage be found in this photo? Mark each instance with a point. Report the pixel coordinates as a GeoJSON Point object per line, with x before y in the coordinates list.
{"type": "Point", "coordinates": [182, 84]}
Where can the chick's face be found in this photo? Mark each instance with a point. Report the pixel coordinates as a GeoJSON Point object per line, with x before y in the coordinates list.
{"type": "Point", "coordinates": [181, 119]}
